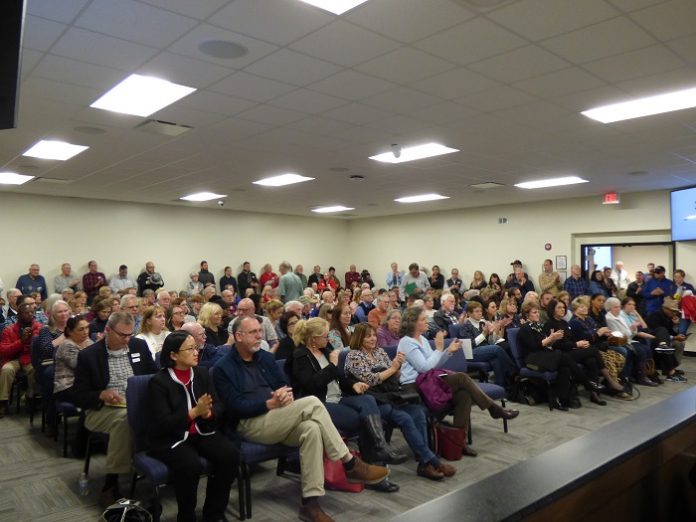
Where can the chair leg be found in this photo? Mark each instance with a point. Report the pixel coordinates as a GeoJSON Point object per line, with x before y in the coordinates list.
{"type": "Point", "coordinates": [157, 508]}
{"type": "Point", "coordinates": [469, 436]}
{"type": "Point", "coordinates": [134, 480]}
{"type": "Point", "coordinates": [505, 422]}
{"type": "Point", "coordinates": [65, 435]}
{"type": "Point", "coordinates": [88, 453]}
{"type": "Point", "coordinates": [549, 394]}
{"type": "Point", "coordinates": [241, 488]}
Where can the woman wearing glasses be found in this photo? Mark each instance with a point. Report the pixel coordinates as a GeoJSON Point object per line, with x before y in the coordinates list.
{"type": "Point", "coordinates": [183, 410]}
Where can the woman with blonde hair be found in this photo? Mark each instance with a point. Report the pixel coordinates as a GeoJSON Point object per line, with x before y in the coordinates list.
{"type": "Point", "coordinates": [478, 282]}
{"type": "Point", "coordinates": [313, 370]}
{"type": "Point", "coordinates": [152, 328]}
{"type": "Point", "coordinates": [78, 303]}
{"type": "Point", "coordinates": [274, 309]}
{"type": "Point", "coordinates": [210, 318]}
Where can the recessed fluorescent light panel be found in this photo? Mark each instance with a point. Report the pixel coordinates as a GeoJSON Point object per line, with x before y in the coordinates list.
{"type": "Point", "coordinates": [337, 7]}
{"type": "Point", "coordinates": [328, 210]}
{"type": "Point", "coordinates": [282, 180]}
{"type": "Point", "coordinates": [421, 198]}
{"type": "Point", "coordinates": [54, 150]}
{"type": "Point", "coordinates": [553, 182]}
{"type": "Point", "coordinates": [427, 150]}
{"type": "Point", "coordinates": [671, 101]}
{"type": "Point", "coordinates": [12, 178]}
{"type": "Point", "coordinates": [141, 95]}
{"type": "Point", "coordinates": [203, 196]}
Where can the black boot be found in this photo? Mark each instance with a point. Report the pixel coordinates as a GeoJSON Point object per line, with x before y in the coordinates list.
{"type": "Point", "coordinates": [383, 452]}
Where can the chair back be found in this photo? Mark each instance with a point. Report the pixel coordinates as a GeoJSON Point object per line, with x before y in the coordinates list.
{"type": "Point", "coordinates": [280, 363]}
{"type": "Point", "coordinates": [453, 330]}
{"type": "Point", "coordinates": [342, 363]}
{"type": "Point", "coordinates": [136, 399]}
{"type": "Point", "coordinates": [158, 359]}
{"type": "Point", "coordinates": [391, 351]}
{"type": "Point", "coordinates": [511, 335]}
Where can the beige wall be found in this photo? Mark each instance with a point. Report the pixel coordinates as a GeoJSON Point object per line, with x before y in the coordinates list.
{"type": "Point", "coordinates": [472, 239]}
{"type": "Point", "coordinates": [637, 257]}
{"type": "Point", "coordinates": [51, 231]}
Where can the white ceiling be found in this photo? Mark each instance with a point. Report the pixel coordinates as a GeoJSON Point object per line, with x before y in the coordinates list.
{"type": "Point", "coordinates": [317, 94]}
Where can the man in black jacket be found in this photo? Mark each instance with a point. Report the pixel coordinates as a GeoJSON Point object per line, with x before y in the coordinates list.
{"type": "Point", "coordinates": [100, 382]}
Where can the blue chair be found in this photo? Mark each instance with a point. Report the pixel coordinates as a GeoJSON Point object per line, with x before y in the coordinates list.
{"type": "Point", "coordinates": [145, 466]}
{"type": "Point", "coordinates": [480, 368]}
{"type": "Point", "coordinates": [391, 351]}
{"type": "Point", "coordinates": [65, 411]}
{"type": "Point", "coordinates": [546, 376]}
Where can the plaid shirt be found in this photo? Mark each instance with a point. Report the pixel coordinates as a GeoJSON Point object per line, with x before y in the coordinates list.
{"type": "Point", "coordinates": [575, 287]}
{"type": "Point", "coordinates": [119, 370]}
{"type": "Point", "coordinates": [92, 282]}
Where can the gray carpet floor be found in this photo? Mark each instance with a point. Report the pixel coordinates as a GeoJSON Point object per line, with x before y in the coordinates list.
{"type": "Point", "coordinates": [38, 485]}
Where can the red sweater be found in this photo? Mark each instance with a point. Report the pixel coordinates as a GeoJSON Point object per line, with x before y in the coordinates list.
{"type": "Point", "coordinates": [11, 344]}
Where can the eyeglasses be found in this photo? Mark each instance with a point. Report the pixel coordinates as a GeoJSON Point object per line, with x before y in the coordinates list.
{"type": "Point", "coordinates": [252, 332]}
{"type": "Point", "coordinates": [187, 349]}
{"type": "Point", "coordinates": [324, 336]}
{"type": "Point", "coordinates": [122, 335]}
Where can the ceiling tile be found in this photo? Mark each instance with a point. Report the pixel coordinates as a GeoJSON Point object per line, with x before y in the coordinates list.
{"type": "Point", "coordinates": [496, 98]}
{"type": "Point", "coordinates": [633, 5]}
{"type": "Point", "coordinates": [102, 50]}
{"type": "Point", "coordinates": [409, 20]}
{"type": "Point", "coordinates": [357, 113]}
{"type": "Point", "coordinates": [183, 70]}
{"type": "Point", "coordinates": [344, 44]}
{"type": "Point", "coordinates": [41, 34]}
{"type": "Point", "coordinates": [188, 46]}
{"type": "Point", "coordinates": [401, 100]}
{"type": "Point", "coordinates": [207, 101]}
{"type": "Point", "coordinates": [270, 20]}
{"type": "Point", "coordinates": [684, 78]}
{"type": "Point", "coordinates": [443, 113]}
{"type": "Point", "coordinates": [29, 60]}
{"type": "Point", "coordinates": [454, 84]}
{"type": "Point", "coordinates": [291, 67]}
{"type": "Point", "coordinates": [63, 11]}
{"type": "Point", "coordinates": [319, 125]}
{"type": "Point", "coordinates": [270, 115]}
{"type": "Point", "coordinates": [251, 87]}
{"type": "Point", "coordinates": [135, 22]}
{"type": "Point", "coordinates": [405, 65]}
{"type": "Point", "coordinates": [520, 64]}
{"type": "Point", "coordinates": [351, 85]}
{"type": "Point", "coordinates": [200, 9]}
{"type": "Point", "coordinates": [599, 41]}
{"type": "Point", "coordinates": [540, 19]}
{"type": "Point", "coordinates": [669, 20]}
{"type": "Point", "coordinates": [78, 73]}
{"type": "Point", "coordinates": [559, 83]}
{"type": "Point", "coordinates": [582, 101]}
{"type": "Point", "coordinates": [634, 64]}
{"type": "Point", "coordinates": [685, 47]}
{"type": "Point", "coordinates": [62, 92]}
{"type": "Point", "coordinates": [304, 100]}
{"type": "Point", "coordinates": [471, 41]}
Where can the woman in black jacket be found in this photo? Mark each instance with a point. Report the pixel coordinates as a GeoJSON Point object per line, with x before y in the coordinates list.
{"type": "Point", "coordinates": [536, 343]}
{"type": "Point", "coordinates": [313, 370]}
{"type": "Point", "coordinates": [182, 411]}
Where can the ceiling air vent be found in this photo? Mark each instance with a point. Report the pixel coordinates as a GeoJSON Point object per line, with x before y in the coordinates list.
{"type": "Point", "coordinates": [166, 128]}
{"type": "Point", "coordinates": [55, 181]}
{"type": "Point", "coordinates": [488, 185]}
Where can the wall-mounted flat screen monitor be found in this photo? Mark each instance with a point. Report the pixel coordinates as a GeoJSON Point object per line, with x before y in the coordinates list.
{"type": "Point", "coordinates": [683, 205]}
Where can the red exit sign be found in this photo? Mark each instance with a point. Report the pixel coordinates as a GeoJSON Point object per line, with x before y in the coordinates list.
{"type": "Point", "coordinates": [611, 198]}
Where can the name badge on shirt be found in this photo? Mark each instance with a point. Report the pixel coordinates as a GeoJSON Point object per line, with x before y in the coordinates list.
{"type": "Point", "coordinates": [135, 357]}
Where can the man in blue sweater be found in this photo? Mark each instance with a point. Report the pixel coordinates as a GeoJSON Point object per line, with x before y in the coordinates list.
{"type": "Point", "coordinates": [32, 282]}
{"type": "Point", "coordinates": [261, 407]}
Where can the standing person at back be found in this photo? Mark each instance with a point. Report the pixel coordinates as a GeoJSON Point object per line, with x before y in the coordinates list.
{"type": "Point", "coordinates": [290, 285]}
{"type": "Point", "coordinates": [92, 281]}
{"type": "Point", "coordinates": [549, 280]}
{"type": "Point", "coordinates": [656, 289]}
{"type": "Point", "coordinates": [32, 281]}
{"type": "Point", "coordinates": [205, 277]}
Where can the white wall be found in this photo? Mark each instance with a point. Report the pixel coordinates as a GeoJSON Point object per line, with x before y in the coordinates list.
{"type": "Point", "coordinates": [50, 231]}
{"type": "Point", "coordinates": [472, 239]}
{"type": "Point", "coordinates": [637, 257]}
{"type": "Point", "coordinates": [53, 230]}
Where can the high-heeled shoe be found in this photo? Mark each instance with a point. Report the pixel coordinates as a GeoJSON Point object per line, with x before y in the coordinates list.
{"type": "Point", "coordinates": [498, 412]}
{"type": "Point", "coordinates": [594, 387]}
{"type": "Point", "coordinates": [556, 404]}
{"type": "Point", "coordinates": [595, 398]}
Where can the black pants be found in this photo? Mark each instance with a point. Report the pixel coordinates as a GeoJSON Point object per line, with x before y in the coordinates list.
{"type": "Point", "coordinates": [568, 372]}
{"type": "Point", "coordinates": [184, 465]}
{"type": "Point", "coordinates": [591, 361]}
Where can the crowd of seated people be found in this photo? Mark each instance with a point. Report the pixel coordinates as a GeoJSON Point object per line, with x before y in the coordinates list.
{"type": "Point", "coordinates": [90, 323]}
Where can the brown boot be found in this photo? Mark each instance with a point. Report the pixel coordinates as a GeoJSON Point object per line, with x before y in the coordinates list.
{"type": "Point", "coordinates": [446, 469]}
{"type": "Point", "coordinates": [3, 409]}
{"type": "Point", "coordinates": [366, 473]}
{"type": "Point", "coordinates": [312, 512]}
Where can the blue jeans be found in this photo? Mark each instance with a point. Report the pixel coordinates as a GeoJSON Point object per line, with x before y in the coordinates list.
{"type": "Point", "coordinates": [412, 422]}
{"type": "Point", "coordinates": [347, 415]}
{"type": "Point", "coordinates": [684, 325]}
{"type": "Point", "coordinates": [498, 358]}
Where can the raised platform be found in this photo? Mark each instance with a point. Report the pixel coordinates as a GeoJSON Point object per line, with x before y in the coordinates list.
{"type": "Point", "coordinates": [636, 468]}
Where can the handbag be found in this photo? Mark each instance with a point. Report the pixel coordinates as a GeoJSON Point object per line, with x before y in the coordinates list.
{"type": "Point", "coordinates": [392, 391]}
{"type": "Point", "coordinates": [435, 392]}
{"type": "Point", "coordinates": [449, 441]}
{"type": "Point", "coordinates": [614, 362]}
{"type": "Point", "coordinates": [126, 510]}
